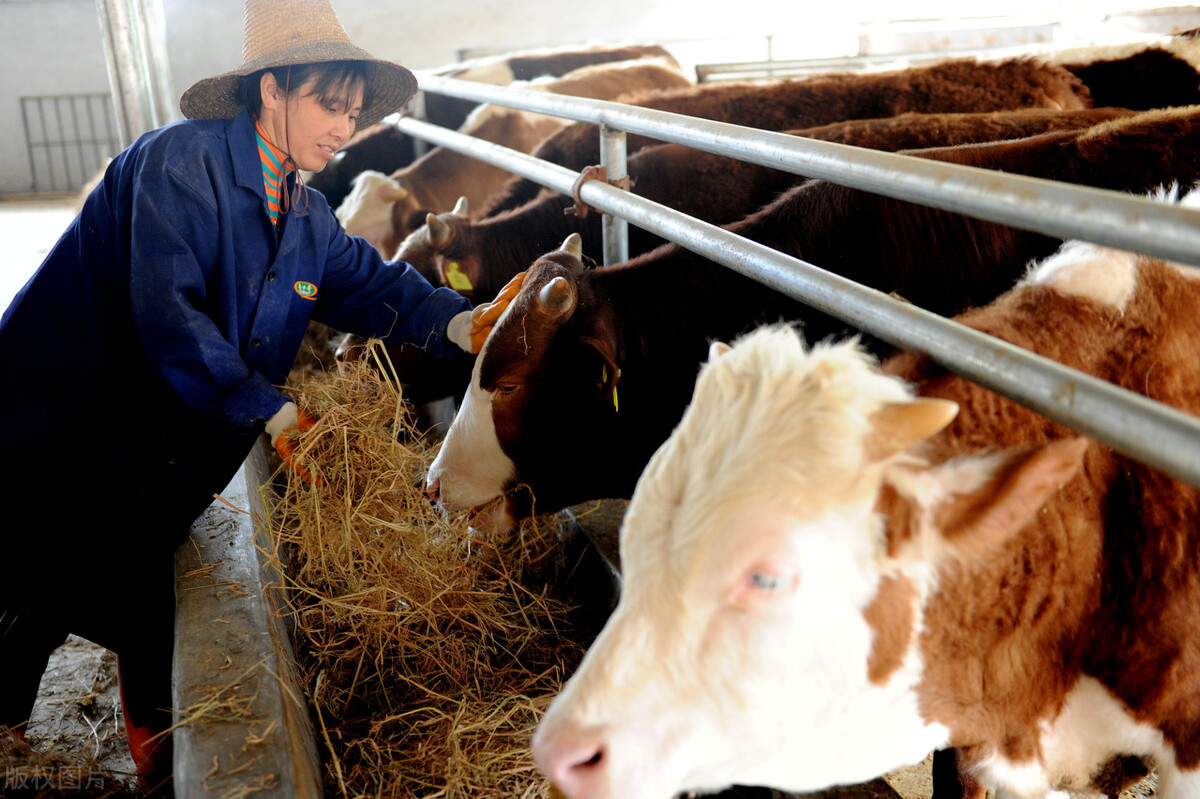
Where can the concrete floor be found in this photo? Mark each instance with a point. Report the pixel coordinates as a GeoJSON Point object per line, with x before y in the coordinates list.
{"type": "Point", "coordinates": [78, 711]}
{"type": "Point", "coordinates": [29, 228]}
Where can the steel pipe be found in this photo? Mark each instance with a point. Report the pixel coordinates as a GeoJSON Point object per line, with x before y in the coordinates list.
{"type": "Point", "coordinates": [1148, 431]}
{"type": "Point", "coordinates": [1063, 210]}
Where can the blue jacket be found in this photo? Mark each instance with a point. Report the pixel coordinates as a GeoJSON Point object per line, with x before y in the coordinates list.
{"type": "Point", "coordinates": [169, 312]}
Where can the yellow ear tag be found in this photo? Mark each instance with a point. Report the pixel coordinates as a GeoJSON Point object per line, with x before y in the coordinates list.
{"type": "Point", "coordinates": [604, 379]}
{"type": "Point", "coordinates": [458, 280]}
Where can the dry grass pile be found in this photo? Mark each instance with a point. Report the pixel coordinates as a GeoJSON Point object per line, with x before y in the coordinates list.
{"type": "Point", "coordinates": [430, 651]}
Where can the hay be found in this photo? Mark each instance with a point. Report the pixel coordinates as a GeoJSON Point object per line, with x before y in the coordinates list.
{"type": "Point", "coordinates": [429, 651]}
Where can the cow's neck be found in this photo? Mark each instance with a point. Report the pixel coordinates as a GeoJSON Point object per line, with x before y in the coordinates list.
{"type": "Point", "coordinates": [509, 242]}
{"type": "Point", "coordinates": [665, 311]}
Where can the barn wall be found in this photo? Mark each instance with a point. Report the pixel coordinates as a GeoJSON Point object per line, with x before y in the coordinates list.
{"type": "Point", "coordinates": [205, 38]}
{"type": "Point", "coordinates": [47, 47]}
{"type": "Point", "coordinates": [54, 46]}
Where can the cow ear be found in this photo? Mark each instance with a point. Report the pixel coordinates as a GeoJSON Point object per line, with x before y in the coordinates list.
{"type": "Point", "coordinates": [390, 193]}
{"type": "Point", "coordinates": [605, 346]}
{"type": "Point", "coordinates": [973, 523]}
{"type": "Point", "coordinates": [898, 425]}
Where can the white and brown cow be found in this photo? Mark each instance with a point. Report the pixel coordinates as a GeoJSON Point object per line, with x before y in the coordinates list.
{"type": "Point", "coordinates": [832, 567]}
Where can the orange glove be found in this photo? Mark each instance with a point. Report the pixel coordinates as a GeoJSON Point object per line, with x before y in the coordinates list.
{"type": "Point", "coordinates": [283, 428]}
{"type": "Point", "coordinates": [484, 317]}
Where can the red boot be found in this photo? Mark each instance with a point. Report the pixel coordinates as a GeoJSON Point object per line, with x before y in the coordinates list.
{"type": "Point", "coordinates": [151, 752]}
{"type": "Point", "coordinates": [149, 746]}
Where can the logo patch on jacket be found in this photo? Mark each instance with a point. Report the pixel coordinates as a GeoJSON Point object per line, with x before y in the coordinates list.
{"type": "Point", "coordinates": [305, 289]}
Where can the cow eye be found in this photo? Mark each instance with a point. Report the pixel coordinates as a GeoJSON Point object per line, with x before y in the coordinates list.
{"type": "Point", "coordinates": [505, 388]}
{"type": "Point", "coordinates": [765, 581]}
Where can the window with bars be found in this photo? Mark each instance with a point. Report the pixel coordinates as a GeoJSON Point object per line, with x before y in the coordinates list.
{"type": "Point", "coordinates": [70, 138]}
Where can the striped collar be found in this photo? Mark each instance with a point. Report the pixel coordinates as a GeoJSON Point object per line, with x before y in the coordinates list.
{"type": "Point", "coordinates": [273, 171]}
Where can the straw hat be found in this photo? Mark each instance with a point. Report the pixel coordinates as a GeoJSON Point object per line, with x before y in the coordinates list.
{"type": "Point", "coordinates": [289, 32]}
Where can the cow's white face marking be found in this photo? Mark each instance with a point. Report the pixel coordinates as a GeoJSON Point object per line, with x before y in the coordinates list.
{"type": "Point", "coordinates": [471, 468]}
{"type": "Point", "coordinates": [747, 665]}
{"type": "Point", "coordinates": [367, 209]}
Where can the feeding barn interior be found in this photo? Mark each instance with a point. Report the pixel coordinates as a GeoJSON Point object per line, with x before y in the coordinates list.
{"type": "Point", "coordinates": [392, 619]}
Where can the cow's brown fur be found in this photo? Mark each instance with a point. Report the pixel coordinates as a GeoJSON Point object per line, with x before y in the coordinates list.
{"type": "Point", "coordinates": [710, 187]}
{"type": "Point", "coordinates": [1151, 78]}
{"type": "Point", "coordinates": [951, 87]}
{"type": "Point", "coordinates": [941, 261]}
{"type": "Point", "coordinates": [451, 112]}
{"type": "Point", "coordinates": [892, 618]}
{"type": "Point", "coordinates": [1104, 582]}
{"type": "Point", "coordinates": [438, 179]}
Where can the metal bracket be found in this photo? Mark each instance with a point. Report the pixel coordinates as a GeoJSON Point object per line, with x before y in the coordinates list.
{"type": "Point", "coordinates": [580, 208]}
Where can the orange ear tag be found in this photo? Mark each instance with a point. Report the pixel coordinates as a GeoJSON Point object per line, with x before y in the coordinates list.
{"type": "Point", "coordinates": [458, 280]}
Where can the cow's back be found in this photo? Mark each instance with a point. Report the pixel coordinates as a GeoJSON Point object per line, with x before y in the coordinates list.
{"type": "Point", "coordinates": [954, 86]}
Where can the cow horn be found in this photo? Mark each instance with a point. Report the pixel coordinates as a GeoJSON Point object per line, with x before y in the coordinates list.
{"type": "Point", "coordinates": [557, 297]}
{"type": "Point", "coordinates": [461, 208]}
{"type": "Point", "coordinates": [439, 232]}
{"type": "Point", "coordinates": [573, 245]}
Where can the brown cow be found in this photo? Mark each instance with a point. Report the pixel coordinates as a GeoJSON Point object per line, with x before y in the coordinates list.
{"type": "Point", "coordinates": [827, 572]}
{"type": "Point", "coordinates": [385, 209]}
{"type": "Point", "coordinates": [487, 252]}
{"type": "Point", "coordinates": [384, 148]}
{"type": "Point", "coordinates": [953, 86]}
{"type": "Point", "coordinates": [1138, 75]}
{"type": "Point", "coordinates": [526, 65]}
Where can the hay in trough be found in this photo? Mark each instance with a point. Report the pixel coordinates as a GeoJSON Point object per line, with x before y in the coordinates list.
{"type": "Point", "coordinates": [429, 650]}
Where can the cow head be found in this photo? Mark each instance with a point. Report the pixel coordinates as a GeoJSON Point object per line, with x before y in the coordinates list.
{"type": "Point", "coordinates": [369, 208]}
{"type": "Point", "coordinates": [777, 555]}
{"type": "Point", "coordinates": [439, 247]}
{"type": "Point", "coordinates": [550, 333]}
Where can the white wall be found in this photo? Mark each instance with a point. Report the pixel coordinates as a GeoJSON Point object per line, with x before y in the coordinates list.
{"type": "Point", "coordinates": [47, 47]}
{"type": "Point", "coordinates": [54, 46]}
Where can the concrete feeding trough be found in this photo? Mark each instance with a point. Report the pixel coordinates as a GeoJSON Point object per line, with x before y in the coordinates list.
{"type": "Point", "coordinates": [241, 708]}
{"type": "Point", "coordinates": [242, 713]}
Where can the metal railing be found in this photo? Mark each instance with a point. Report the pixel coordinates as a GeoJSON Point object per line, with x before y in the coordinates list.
{"type": "Point", "coordinates": [1148, 431]}
{"type": "Point", "coordinates": [69, 139]}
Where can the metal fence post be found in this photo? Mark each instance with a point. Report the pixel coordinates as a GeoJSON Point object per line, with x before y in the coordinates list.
{"type": "Point", "coordinates": [135, 51]}
{"type": "Point", "coordinates": [614, 229]}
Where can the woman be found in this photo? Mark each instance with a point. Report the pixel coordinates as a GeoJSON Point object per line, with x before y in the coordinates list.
{"type": "Point", "coordinates": [143, 358]}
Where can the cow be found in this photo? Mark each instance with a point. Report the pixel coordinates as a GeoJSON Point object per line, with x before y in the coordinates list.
{"type": "Point", "coordinates": [527, 65]}
{"type": "Point", "coordinates": [385, 148]}
{"type": "Point", "coordinates": [1139, 76]}
{"type": "Point", "coordinates": [479, 256]}
{"type": "Point", "coordinates": [613, 373]}
{"type": "Point", "coordinates": [833, 566]}
{"type": "Point", "coordinates": [384, 209]}
{"type": "Point", "coordinates": [952, 86]}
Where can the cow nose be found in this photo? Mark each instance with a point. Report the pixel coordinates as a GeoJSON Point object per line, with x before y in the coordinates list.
{"type": "Point", "coordinates": [433, 490]}
{"type": "Point", "coordinates": [575, 763]}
